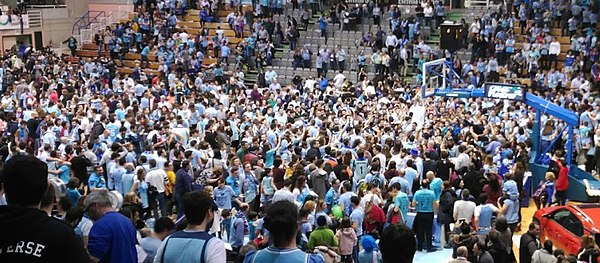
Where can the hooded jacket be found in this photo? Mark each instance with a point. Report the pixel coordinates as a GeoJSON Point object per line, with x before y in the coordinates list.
{"type": "Point", "coordinates": [30, 235]}
{"type": "Point", "coordinates": [347, 239]}
{"type": "Point", "coordinates": [320, 182]}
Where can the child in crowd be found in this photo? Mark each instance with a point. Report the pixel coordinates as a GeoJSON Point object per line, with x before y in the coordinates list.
{"type": "Point", "coordinates": [252, 218]}
{"type": "Point", "coordinates": [305, 226]}
{"type": "Point", "coordinates": [72, 191]}
{"type": "Point", "coordinates": [347, 240]}
{"type": "Point", "coordinates": [226, 221]}
{"type": "Point", "coordinates": [510, 187]}
{"type": "Point", "coordinates": [216, 226]}
{"type": "Point", "coordinates": [369, 253]}
{"type": "Point", "coordinates": [549, 189]}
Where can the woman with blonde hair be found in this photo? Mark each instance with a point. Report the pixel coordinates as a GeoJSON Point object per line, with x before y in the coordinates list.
{"type": "Point", "coordinates": [140, 187]}
{"type": "Point", "coordinates": [589, 250]}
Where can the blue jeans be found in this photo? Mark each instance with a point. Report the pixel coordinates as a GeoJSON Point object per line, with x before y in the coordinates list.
{"type": "Point", "coordinates": [160, 199]}
{"type": "Point", "coordinates": [356, 249]}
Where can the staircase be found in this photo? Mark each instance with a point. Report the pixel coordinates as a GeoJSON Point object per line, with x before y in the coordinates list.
{"type": "Point", "coordinates": [348, 40]}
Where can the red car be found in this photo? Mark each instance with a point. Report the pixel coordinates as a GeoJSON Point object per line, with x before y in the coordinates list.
{"type": "Point", "coordinates": [565, 225]}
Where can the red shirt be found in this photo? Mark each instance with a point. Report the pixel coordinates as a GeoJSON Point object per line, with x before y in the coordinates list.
{"type": "Point", "coordinates": [374, 218]}
{"type": "Point", "coordinates": [562, 183]}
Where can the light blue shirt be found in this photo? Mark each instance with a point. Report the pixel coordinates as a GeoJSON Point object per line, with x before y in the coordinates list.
{"type": "Point", "coordinates": [63, 174]}
{"type": "Point", "coordinates": [405, 186]}
{"type": "Point", "coordinates": [424, 199]}
{"type": "Point", "coordinates": [127, 182]}
{"type": "Point", "coordinates": [223, 196]}
{"type": "Point", "coordinates": [410, 175]}
{"type": "Point", "coordinates": [117, 176]}
{"type": "Point", "coordinates": [402, 202]}
{"type": "Point", "coordinates": [512, 213]}
{"type": "Point", "coordinates": [234, 183]}
{"type": "Point", "coordinates": [436, 187]}
{"type": "Point", "coordinates": [358, 216]}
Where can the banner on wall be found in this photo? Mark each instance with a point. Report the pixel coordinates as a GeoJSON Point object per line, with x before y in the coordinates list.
{"type": "Point", "coordinates": [13, 22]}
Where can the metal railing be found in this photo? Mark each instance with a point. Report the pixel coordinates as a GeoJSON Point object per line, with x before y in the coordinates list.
{"type": "Point", "coordinates": [35, 18]}
{"type": "Point", "coordinates": [84, 21]}
{"type": "Point", "coordinates": [477, 3]}
{"type": "Point", "coordinates": [47, 6]}
{"type": "Point", "coordinates": [90, 24]}
{"type": "Point", "coordinates": [85, 36]}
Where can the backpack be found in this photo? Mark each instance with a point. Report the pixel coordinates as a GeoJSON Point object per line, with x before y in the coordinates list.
{"type": "Point", "coordinates": [376, 180]}
{"type": "Point", "coordinates": [201, 179]}
{"type": "Point", "coordinates": [152, 194]}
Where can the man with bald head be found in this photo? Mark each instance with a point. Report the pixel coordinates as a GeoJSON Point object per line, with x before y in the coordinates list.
{"type": "Point", "coordinates": [461, 255]}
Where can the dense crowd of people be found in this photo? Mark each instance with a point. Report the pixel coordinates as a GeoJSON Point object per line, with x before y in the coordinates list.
{"type": "Point", "coordinates": [174, 167]}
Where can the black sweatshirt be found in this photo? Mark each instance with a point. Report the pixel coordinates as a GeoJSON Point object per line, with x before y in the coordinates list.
{"type": "Point", "coordinates": [30, 235]}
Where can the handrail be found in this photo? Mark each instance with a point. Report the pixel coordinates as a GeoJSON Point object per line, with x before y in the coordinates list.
{"type": "Point", "coordinates": [85, 20]}
{"type": "Point", "coordinates": [46, 6]}
{"type": "Point", "coordinates": [95, 19]}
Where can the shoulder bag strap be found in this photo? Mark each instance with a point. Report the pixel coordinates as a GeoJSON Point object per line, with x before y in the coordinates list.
{"type": "Point", "coordinates": [203, 253]}
{"type": "Point", "coordinates": [162, 256]}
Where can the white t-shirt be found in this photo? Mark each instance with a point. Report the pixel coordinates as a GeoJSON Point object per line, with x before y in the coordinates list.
{"type": "Point", "coordinates": [157, 178]}
{"type": "Point", "coordinates": [367, 198]}
{"type": "Point", "coordinates": [339, 80]}
{"type": "Point", "coordinates": [464, 210]}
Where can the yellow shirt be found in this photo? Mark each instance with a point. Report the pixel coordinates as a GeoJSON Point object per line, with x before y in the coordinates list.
{"type": "Point", "coordinates": [171, 183]}
{"type": "Point", "coordinates": [135, 27]}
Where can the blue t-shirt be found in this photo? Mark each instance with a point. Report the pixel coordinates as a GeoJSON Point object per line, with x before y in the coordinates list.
{"type": "Point", "coordinates": [251, 230]}
{"type": "Point", "coordinates": [250, 184]}
{"type": "Point", "coordinates": [510, 187]}
{"type": "Point", "coordinates": [64, 173]}
{"type": "Point", "coordinates": [512, 211]}
{"type": "Point", "coordinates": [234, 183]}
{"type": "Point", "coordinates": [367, 257]}
{"type": "Point", "coordinates": [269, 158]}
{"type": "Point", "coordinates": [127, 182]}
{"type": "Point", "coordinates": [331, 197]}
{"type": "Point", "coordinates": [436, 187]}
{"type": "Point", "coordinates": [345, 200]}
{"type": "Point", "coordinates": [185, 246]}
{"type": "Point", "coordinates": [410, 175]}
{"type": "Point", "coordinates": [145, 51]}
{"type": "Point", "coordinates": [113, 239]}
{"type": "Point", "coordinates": [402, 202]}
{"type": "Point", "coordinates": [405, 187]}
{"type": "Point", "coordinates": [358, 215]}
{"type": "Point", "coordinates": [117, 176]}
{"type": "Point", "coordinates": [113, 129]}
{"type": "Point", "coordinates": [150, 246]}
{"type": "Point", "coordinates": [322, 23]}
{"type": "Point", "coordinates": [224, 196]}
{"type": "Point", "coordinates": [120, 114]}
{"type": "Point", "coordinates": [96, 181]}
{"type": "Point", "coordinates": [142, 191]}
{"type": "Point", "coordinates": [74, 195]}
{"type": "Point", "coordinates": [424, 199]}
{"type": "Point", "coordinates": [278, 255]}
